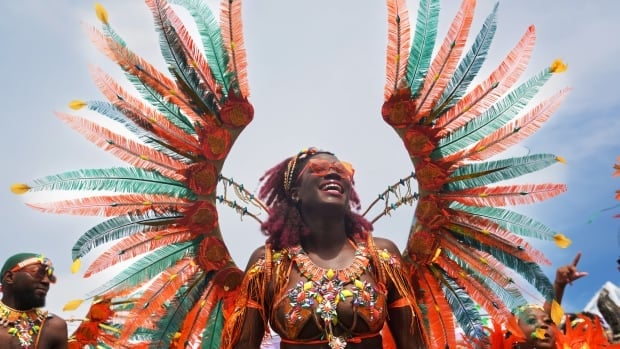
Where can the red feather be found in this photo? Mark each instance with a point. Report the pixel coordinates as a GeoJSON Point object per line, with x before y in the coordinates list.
{"type": "Point", "coordinates": [138, 244]}
{"type": "Point", "coordinates": [112, 205]}
{"type": "Point", "coordinates": [232, 33]}
{"type": "Point", "coordinates": [132, 152]}
{"type": "Point", "coordinates": [486, 93]}
{"type": "Point", "coordinates": [145, 115]}
{"type": "Point", "coordinates": [196, 319]}
{"type": "Point", "coordinates": [505, 195]}
{"type": "Point", "coordinates": [482, 295]}
{"type": "Point", "coordinates": [438, 313]}
{"type": "Point", "coordinates": [518, 130]}
{"type": "Point", "coordinates": [399, 37]}
{"type": "Point", "coordinates": [446, 60]}
{"type": "Point", "coordinates": [135, 65]}
{"type": "Point", "coordinates": [151, 305]}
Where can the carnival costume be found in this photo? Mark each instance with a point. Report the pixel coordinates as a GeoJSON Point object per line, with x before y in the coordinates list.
{"type": "Point", "coordinates": [463, 250]}
{"type": "Point", "coordinates": [25, 325]}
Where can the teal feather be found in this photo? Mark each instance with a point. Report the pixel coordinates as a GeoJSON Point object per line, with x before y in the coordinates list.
{"type": "Point", "coordinates": [148, 267]}
{"type": "Point", "coordinates": [493, 118]}
{"type": "Point", "coordinates": [120, 227]}
{"type": "Point", "coordinates": [170, 110]}
{"type": "Point", "coordinates": [512, 221]}
{"type": "Point", "coordinates": [212, 41]}
{"type": "Point", "coordinates": [463, 307]}
{"type": "Point", "coordinates": [485, 173]}
{"type": "Point", "coordinates": [509, 295]}
{"type": "Point", "coordinates": [528, 270]}
{"type": "Point", "coordinates": [423, 44]}
{"type": "Point", "coordinates": [212, 333]}
{"type": "Point", "coordinates": [119, 179]}
{"type": "Point", "coordinates": [112, 34]}
{"type": "Point", "coordinates": [179, 65]}
{"type": "Point", "coordinates": [177, 309]}
{"type": "Point", "coordinates": [470, 65]}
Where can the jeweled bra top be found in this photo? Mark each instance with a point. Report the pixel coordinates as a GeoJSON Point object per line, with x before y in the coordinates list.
{"type": "Point", "coordinates": [329, 304]}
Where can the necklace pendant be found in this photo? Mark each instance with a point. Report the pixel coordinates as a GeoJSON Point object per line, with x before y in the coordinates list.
{"type": "Point", "coordinates": [337, 342]}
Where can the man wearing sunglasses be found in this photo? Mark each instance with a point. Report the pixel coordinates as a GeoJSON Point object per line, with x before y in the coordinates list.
{"type": "Point", "coordinates": [25, 279]}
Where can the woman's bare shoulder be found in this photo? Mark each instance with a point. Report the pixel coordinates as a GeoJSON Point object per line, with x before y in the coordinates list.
{"type": "Point", "coordinates": [386, 244]}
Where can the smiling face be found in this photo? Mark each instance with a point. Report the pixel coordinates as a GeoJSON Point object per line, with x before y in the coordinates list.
{"type": "Point", "coordinates": [538, 328]}
{"type": "Point", "coordinates": [324, 180]}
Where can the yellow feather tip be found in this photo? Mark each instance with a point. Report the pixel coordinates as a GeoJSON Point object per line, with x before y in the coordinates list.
{"type": "Point", "coordinates": [20, 188]}
{"type": "Point", "coordinates": [101, 12]}
{"type": "Point", "coordinates": [76, 265]}
{"type": "Point", "coordinates": [72, 305]}
{"type": "Point", "coordinates": [77, 104]}
{"type": "Point", "coordinates": [561, 240]}
{"type": "Point", "coordinates": [560, 159]}
{"type": "Point", "coordinates": [558, 66]}
{"type": "Point", "coordinates": [557, 313]}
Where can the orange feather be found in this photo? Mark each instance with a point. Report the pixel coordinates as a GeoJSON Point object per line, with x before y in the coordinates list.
{"type": "Point", "coordinates": [482, 295]}
{"type": "Point", "coordinates": [399, 38]}
{"type": "Point", "coordinates": [193, 52]}
{"type": "Point", "coordinates": [446, 60]}
{"type": "Point", "coordinates": [440, 323]}
{"type": "Point", "coordinates": [112, 205]}
{"type": "Point", "coordinates": [505, 195]}
{"type": "Point", "coordinates": [146, 72]}
{"type": "Point", "coordinates": [138, 244]}
{"type": "Point", "coordinates": [197, 318]}
{"type": "Point", "coordinates": [232, 33]}
{"type": "Point", "coordinates": [492, 234]}
{"type": "Point", "coordinates": [145, 115]}
{"type": "Point", "coordinates": [518, 130]}
{"type": "Point", "coordinates": [152, 303]}
{"type": "Point", "coordinates": [492, 88]}
{"type": "Point", "coordinates": [132, 152]}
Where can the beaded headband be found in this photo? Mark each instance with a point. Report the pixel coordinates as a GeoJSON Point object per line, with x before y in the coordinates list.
{"type": "Point", "coordinates": [290, 167]}
{"type": "Point", "coordinates": [520, 309]}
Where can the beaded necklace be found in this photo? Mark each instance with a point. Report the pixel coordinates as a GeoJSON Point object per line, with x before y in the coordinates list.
{"type": "Point", "coordinates": [24, 325]}
{"type": "Point", "coordinates": [324, 289]}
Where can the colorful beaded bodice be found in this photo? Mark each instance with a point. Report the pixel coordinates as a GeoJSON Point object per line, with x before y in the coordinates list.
{"type": "Point", "coordinates": [323, 289]}
{"type": "Point", "coordinates": [24, 325]}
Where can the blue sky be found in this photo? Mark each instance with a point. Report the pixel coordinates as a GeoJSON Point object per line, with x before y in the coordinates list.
{"type": "Point", "coordinates": [316, 72]}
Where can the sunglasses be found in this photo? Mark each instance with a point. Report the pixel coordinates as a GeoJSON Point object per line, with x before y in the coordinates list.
{"type": "Point", "coordinates": [38, 272]}
{"type": "Point", "coordinates": [322, 167]}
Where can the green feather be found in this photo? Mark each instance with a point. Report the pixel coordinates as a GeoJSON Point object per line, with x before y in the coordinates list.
{"type": "Point", "coordinates": [149, 266]}
{"type": "Point", "coordinates": [423, 43]}
{"type": "Point", "coordinates": [179, 65]}
{"type": "Point", "coordinates": [493, 118]}
{"type": "Point", "coordinates": [177, 310]}
{"type": "Point", "coordinates": [509, 295]}
{"type": "Point", "coordinates": [118, 180]}
{"type": "Point", "coordinates": [463, 307]}
{"type": "Point", "coordinates": [485, 173]}
{"type": "Point", "coordinates": [530, 271]}
{"type": "Point", "coordinates": [171, 111]}
{"type": "Point", "coordinates": [512, 221]}
{"type": "Point", "coordinates": [470, 65]}
{"type": "Point", "coordinates": [212, 41]}
{"type": "Point", "coordinates": [120, 227]}
{"type": "Point", "coordinates": [212, 333]}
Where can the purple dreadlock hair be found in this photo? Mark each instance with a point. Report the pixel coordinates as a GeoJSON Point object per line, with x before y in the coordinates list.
{"type": "Point", "coordinates": [284, 226]}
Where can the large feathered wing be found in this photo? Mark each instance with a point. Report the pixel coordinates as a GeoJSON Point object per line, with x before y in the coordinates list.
{"type": "Point", "coordinates": [466, 250]}
{"type": "Point", "coordinates": [175, 136]}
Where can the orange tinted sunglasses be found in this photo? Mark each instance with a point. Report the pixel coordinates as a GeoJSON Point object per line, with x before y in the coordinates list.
{"type": "Point", "coordinates": [38, 271]}
{"type": "Point", "coordinates": [321, 168]}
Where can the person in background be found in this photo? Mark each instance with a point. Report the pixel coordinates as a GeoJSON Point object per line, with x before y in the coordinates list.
{"type": "Point", "coordinates": [26, 279]}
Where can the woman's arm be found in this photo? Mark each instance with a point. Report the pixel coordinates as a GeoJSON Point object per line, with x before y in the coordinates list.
{"type": "Point", "coordinates": [405, 326]}
{"type": "Point", "coordinates": [246, 328]}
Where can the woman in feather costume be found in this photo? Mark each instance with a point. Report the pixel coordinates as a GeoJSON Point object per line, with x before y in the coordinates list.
{"type": "Point", "coordinates": [463, 251]}
{"type": "Point", "coordinates": [322, 280]}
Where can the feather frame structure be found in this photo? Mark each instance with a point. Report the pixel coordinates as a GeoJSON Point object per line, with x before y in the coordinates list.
{"type": "Point", "coordinates": [460, 242]}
